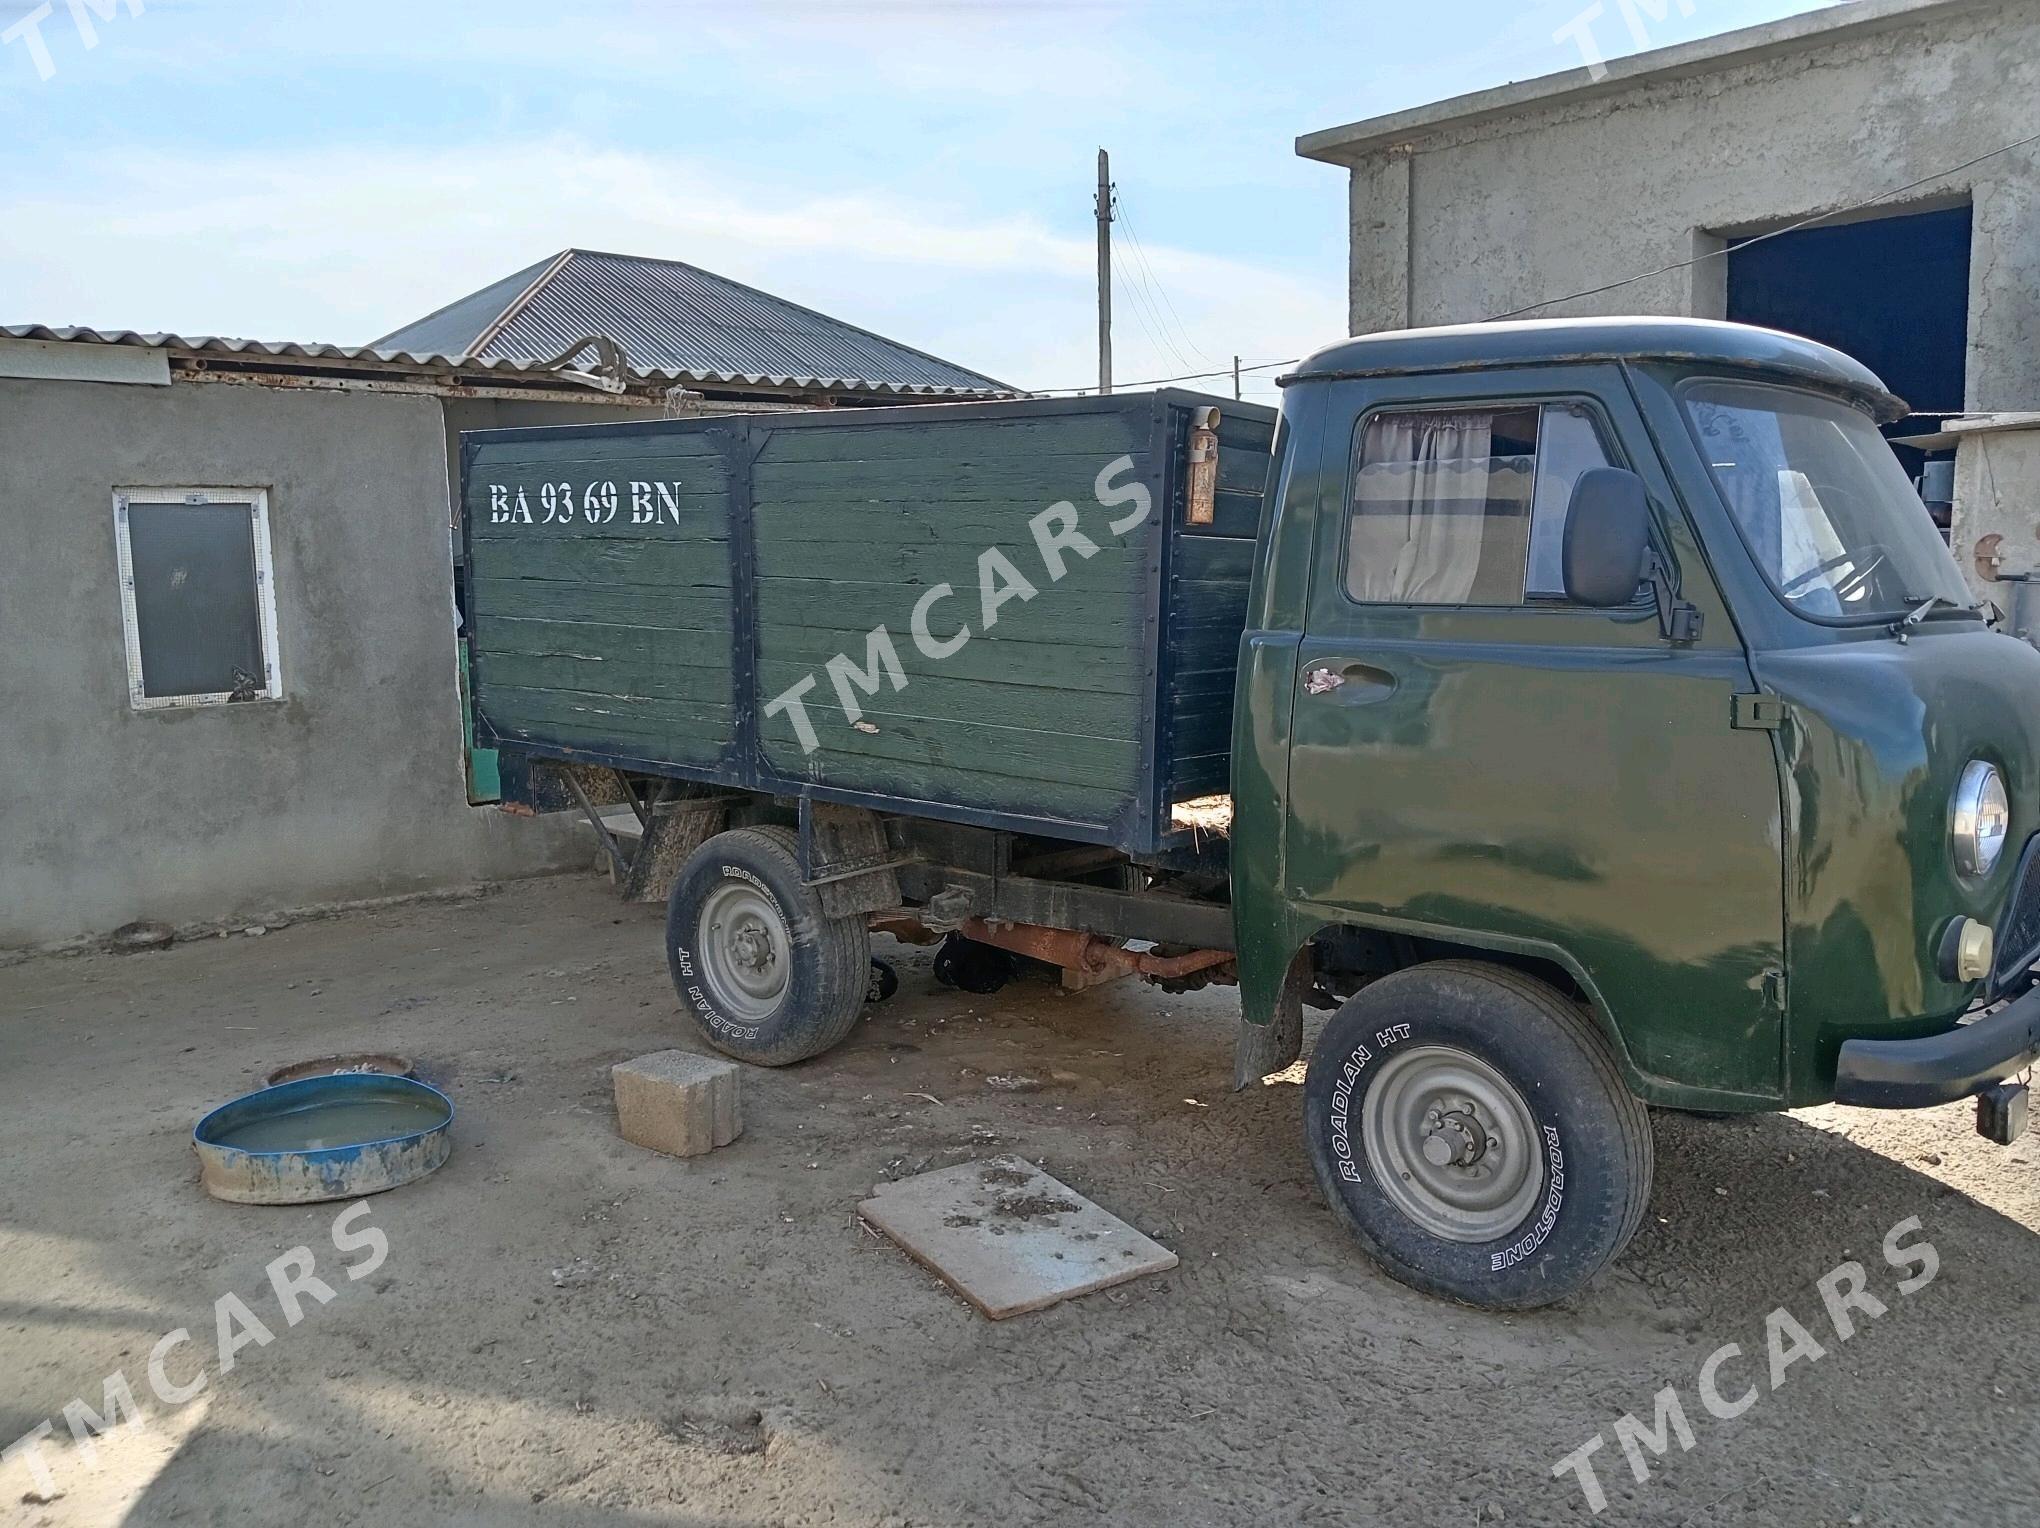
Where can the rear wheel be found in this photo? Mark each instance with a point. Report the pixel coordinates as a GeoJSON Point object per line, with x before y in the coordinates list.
{"type": "Point", "coordinates": [765, 974]}
{"type": "Point", "coordinates": [1470, 1126]}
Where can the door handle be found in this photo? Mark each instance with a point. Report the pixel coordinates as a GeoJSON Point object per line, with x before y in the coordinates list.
{"type": "Point", "coordinates": [1355, 682]}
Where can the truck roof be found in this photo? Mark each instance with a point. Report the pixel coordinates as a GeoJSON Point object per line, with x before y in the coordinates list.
{"type": "Point", "coordinates": [1549, 341]}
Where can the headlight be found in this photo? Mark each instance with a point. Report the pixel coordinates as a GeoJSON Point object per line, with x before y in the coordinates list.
{"type": "Point", "coordinates": [1982, 816]}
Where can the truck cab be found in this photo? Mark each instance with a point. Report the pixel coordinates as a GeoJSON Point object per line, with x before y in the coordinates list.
{"type": "Point", "coordinates": [1612, 725]}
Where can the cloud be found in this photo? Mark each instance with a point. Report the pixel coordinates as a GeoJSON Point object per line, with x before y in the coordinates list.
{"type": "Point", "coordinates": [345, 243]}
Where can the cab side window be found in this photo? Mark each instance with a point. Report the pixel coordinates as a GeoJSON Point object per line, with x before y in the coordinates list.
{"type": "Point", "coordinates": [1465, 506]}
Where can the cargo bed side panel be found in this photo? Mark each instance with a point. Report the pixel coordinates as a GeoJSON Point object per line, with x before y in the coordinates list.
{"type": "Point", "coordinates": [1039, 711]}
{"type": "Point", "coordinates": [599, 593]}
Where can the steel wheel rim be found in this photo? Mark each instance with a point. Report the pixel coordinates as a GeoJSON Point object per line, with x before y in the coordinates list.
{"type": "Point", "coordinates": [1452, 1143]}
{"type": "Point", "coordinates": [744, 950]}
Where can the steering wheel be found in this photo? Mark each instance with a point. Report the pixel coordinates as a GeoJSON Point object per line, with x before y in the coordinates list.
{"type": "Point", "coordinates": [1865, 559]}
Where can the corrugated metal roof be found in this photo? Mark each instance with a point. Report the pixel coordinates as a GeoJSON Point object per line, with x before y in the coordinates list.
{"type": "Point", "coordinates": [675, 319]}
{"type": "Point", "coordinates": [452, 365]}
{"type": "Point", "coordinates": [260, 350]}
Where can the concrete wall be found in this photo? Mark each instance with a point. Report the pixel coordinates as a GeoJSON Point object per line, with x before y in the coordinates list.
{"type": "Point", "coordinates": [1996, 528]}
{"type": "Point", "coordinates": [1461, 222]}
{"type": "Point", "coordinates": [351, 785]}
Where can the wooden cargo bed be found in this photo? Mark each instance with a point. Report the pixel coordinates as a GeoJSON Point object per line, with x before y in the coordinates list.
{"type": "Point", "coordinates": [1020, 644]}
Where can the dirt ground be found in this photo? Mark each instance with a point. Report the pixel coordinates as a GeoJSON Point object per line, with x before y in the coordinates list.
{"type": "Point", "coordinates": [568, 1330]}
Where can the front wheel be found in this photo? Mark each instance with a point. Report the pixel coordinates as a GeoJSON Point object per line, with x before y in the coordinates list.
{"type": "Point", "coordinates": [765, 974]}
{"type": "Point", "coordinates": [1470, 1126]}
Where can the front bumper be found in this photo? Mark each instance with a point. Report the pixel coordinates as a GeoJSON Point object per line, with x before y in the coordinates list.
{"type": "Point", "coordinates": [1939, 1069]}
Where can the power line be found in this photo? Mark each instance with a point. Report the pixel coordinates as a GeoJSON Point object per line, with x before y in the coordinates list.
{"type": "Point", "coordinates": [1140, 252]}
{"type": "Point", "coordinates": [1776, 233]}
{"type": "Point", "coordinates": [1194, 376]}
{"type": "Point", "coordinates": [1144, 307]}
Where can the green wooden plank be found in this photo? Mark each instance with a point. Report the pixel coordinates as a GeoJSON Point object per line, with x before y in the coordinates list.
{"type": "Point", "coordinates": [1217, 624]}
{"type": "Point", "coordinates": [1200, 607]}
{"type": "Point", "coordinates": [1214, 648]}
{"type": "Point", "coordinates": [1104, 632]}
{"type": "Point", "coordinates": [576, 708]}
{"type": "Point", "coordinates": [858, 598]}
{"type": "Point", "coordinates": [1236, 428]}
{"type": "Point", "coordinates": [941, 481]}
{"type": "Point", "coordinates": [1078, 627]}
{"type": "Point", "coordinates": [1036, 699]}
{"type": "Point", "coordinates": [538, 716]}
{"type": "Point", "coordinates": [675, 678]}
{"type": "Point", "coordinates": [1103, 434]}
{"type": "Point", "coordinates": [1236, 516]}
{"type": "Point", "coordinates": [1242, 472]}
{"type": "Point", "coordinates": [1213, 560]}
{"type": "Point", "coordinates": [1202, 734]}
{"type": "Point", "coordinates": [618, 443]}
{"type": "Point", "coordinates": [1107, 670]}
{"type": "Point", "coordinates": [1059, 616]}
{"type": "Point", "coordinates": [978, 522]}
{"type": "Point", "coordinates": [655, 562]}
{"type": "Point", "coordinates": [597, 639]}
{"type": "Point", "coordinates": [1202, 775]}
{"type": "Point", "coordinates": [878, 562]}
{"type": "Point", "coordinates": [674, 609]}
{"type": "Point", "coordinates": [1203, 687]}
{"type": "Point", "coordinates": [825, 535]}
{"type": "Point", "coordinates": [975, 747]}
{"type": "Point", "coordinates": [655, 745]}
{"type": "Point", "coordinates": [695, 473]}
{"type": "Point", "coordinates": [950, 787]}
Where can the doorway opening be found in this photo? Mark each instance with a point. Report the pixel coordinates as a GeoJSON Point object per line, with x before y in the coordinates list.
{"type": "Point", "coordinates": [1891, 291]}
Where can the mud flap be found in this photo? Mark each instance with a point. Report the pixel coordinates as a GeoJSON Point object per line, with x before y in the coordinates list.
{"type": "Point", "coordinates": [676, 830]}
{"type": "Point", "coordinates": [1274, 1044]}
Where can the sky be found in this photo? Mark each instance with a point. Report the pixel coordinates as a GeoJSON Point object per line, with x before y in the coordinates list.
{"type": "Point", "coordinates": [293, 170]}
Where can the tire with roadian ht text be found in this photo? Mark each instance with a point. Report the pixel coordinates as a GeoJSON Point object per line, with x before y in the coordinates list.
{"type": "Point", "coordinates": [764, 973]}
{"type": "Point", "coordinates": [1471, 1127]}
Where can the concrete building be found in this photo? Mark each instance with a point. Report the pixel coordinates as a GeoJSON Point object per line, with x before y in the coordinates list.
{"type": "Point", "coordinates": [231, 680]}
{"type": "Point", "coordinates": [1641, 191]}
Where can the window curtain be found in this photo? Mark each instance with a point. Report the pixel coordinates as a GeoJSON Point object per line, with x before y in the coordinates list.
{"type": "Point", "coordinates": [1420, 508]}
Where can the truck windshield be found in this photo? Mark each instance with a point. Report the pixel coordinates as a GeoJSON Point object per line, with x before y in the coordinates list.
{"type": "Point", "coordinates": [1823, 504]}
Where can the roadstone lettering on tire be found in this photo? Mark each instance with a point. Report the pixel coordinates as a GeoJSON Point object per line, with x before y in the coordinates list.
{"type": "Point", "coordinates": [1471, 1127]}
{"type": "Point", "coordinates": [765, 974]}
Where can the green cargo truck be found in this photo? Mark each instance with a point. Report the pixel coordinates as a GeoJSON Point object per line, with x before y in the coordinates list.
{"type": "Point", "coordinates": [1586, 713]}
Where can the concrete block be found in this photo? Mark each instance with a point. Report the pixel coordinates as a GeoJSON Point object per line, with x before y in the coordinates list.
{"type": "Point", "coordinates": [677, 1102]}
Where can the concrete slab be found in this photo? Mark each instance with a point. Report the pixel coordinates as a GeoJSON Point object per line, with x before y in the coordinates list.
{"type": "Point", "coordinates": [1008, 1237]}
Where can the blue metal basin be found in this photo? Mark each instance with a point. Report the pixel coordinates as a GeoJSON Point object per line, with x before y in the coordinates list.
{"type": "Point", "coordinates": [319, 1138]}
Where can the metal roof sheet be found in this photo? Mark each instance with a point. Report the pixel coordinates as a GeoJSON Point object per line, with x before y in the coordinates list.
{"type": "Point", "coordinates": [674, 319]}
{"type": "Point", "coordinates": [438, 361]}
{"type": "Point", "coordinates": [259, 350]}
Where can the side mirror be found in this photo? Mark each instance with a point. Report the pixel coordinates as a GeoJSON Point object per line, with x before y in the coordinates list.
{"type": "Point", "coordinates": [1607, 538]}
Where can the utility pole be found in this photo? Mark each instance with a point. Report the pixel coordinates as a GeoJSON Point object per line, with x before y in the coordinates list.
{"type": "Point", "coordinates": [1235, 377]}
{"type": "Point", "coordinates": [1104, 272]}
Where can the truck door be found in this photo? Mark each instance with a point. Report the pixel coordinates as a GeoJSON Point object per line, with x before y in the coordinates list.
{"type": "Point", "coordinates": [1472, 754]}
